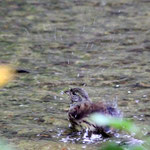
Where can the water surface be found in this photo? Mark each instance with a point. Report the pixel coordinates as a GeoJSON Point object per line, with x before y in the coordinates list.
{"type": "Point", "coordinates": [102, 46]}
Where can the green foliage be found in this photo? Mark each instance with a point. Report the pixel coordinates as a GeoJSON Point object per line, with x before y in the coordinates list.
{"type": "Point", "coordinates": [5, 146]}
{"type": "Point", "coordinates": [117, 123]}
{"type": "Point", "coordinates": [111, 146]}
{"type": "Point", "coordinates": [114, 146]}
{"type": "Point", "coordinates": [136, 148]}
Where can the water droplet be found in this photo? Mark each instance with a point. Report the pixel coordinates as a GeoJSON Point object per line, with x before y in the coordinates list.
{"type": "Point", "coordinates": [78, 75]}
{"type": "Point", "coordinates": [61, 38]}
{"type": "Point", "coordinates": [83, 30]}
{"type": "Point", "coordinates": [84, 146]}
{"type": "Point", "coordinates": [62, 92]}
{"type": "Point", "coordinates": [87, 45]}
{"type": "Point", "coordinates": [117, 86]}
{"type": "Point", "coordinates": [92, 45]}
{"type": "Point", "coordinates": [129, 92]}
{"type": "Point", "coordinates": [137, 101]}
{"type": "Point", "coordinates": [144, 96]}
{"type": "Point", "coordinates": [38, 135]}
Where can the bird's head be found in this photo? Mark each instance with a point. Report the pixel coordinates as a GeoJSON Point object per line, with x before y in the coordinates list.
{"type": "Point", "coordinates": [77, 95]}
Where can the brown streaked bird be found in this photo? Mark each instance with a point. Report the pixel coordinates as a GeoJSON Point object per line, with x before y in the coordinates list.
{"type": "Point", "coordinates": [81, 107]}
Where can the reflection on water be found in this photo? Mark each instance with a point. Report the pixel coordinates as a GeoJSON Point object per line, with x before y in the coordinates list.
{"type": "Point", "coordinates": [101, 45]}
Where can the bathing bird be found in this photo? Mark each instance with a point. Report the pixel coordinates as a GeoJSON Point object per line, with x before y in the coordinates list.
{"type": "Point", "coordinates": [80, 109]}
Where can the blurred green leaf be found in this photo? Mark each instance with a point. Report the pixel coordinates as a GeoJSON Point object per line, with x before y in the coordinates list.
{"type": "Point", "coordinates": [131, 147]}
{"type": "Point", "coordinates": [117, 123]}
{"type": "Point", "coordinates": [4, 145]}
{"type": "Point", "coordinates": [136, 148]}
{"type": "Point", "coordinates": [111, 146]}
{"type": "Point", "coordinates": [114, 146]}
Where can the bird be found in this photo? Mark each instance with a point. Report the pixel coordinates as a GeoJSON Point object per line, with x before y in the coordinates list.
{"type": "Point", "coordinates": [81, 107]}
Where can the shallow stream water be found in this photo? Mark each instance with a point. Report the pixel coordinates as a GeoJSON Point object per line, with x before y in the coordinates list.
{"type": "Point", "coordinates": [103, 46]}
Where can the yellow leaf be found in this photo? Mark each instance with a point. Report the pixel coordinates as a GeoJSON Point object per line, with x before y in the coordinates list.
{"type": "Point", "coordinates": [6, 74]}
